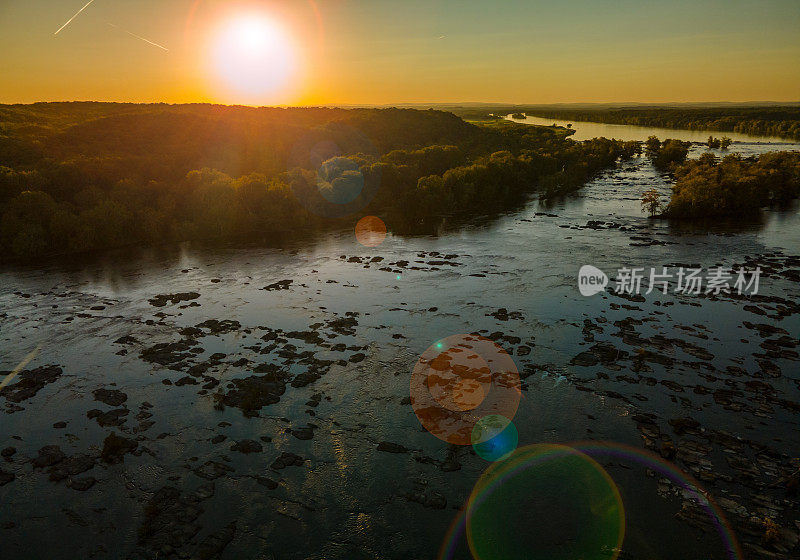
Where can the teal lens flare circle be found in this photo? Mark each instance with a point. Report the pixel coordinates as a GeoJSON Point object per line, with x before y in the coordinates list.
{"type": "Point", "coordinates": [494, 437]}
{"type": "Point", "coordinates": [339, 180]}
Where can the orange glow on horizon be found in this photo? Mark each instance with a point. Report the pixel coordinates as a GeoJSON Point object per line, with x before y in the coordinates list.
{"type": "Point", "coordinates": [372, 52]}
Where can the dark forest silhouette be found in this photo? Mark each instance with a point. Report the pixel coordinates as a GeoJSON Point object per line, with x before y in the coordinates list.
{"type": "Point", "coordinates": [77, 177]}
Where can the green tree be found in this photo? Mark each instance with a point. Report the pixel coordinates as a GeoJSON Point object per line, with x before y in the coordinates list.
{"type": "Point", "coordinates": [671, 152]}
{"type": "Point", "coordinates": [652, 144]}
{"type": "Point", "coordinates": [212, 207]}
{"type": "Point", "coordinates": [651, 202]}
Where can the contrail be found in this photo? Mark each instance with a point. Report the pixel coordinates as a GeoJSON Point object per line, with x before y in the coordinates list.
{"type": "Point", "coordinates": [138, 37]}
{"type": "Point", "coordinates": [73, 17]}
{"type": "Point", "coordinates": [21, 365]}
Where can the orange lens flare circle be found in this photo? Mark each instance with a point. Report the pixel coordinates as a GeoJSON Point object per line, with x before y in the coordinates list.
{"type": "Point", "coordinates": [370, 231]}
{"type": "Point", "coordinates": [459, 380]}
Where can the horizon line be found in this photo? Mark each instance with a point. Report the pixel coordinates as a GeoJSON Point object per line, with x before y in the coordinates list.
{"type": "Point", "coordinates": [412, 103]}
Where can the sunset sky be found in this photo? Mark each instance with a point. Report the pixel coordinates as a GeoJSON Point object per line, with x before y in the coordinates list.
{"type": "Point", "coordinates": [381, 52]}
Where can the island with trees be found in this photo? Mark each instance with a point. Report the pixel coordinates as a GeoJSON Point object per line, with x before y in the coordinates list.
{"type": "Point", "coordinates": [734, 186]}
{"type": "Point", "coordinates": [713, 187]}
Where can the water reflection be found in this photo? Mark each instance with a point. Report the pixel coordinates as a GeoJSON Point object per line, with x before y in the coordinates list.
{"type": "Point", "coordinates": [588, 130]}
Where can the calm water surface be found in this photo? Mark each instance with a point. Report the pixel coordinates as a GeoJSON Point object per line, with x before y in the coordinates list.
{"type": "Point", "coordinates": [587, 130]}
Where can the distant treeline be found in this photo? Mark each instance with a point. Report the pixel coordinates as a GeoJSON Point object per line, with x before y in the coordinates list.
{"type": "Point", "coordinates": [85, 176]}
{"type": "Point", "coordinates": [758, 121]}
{"type": "Point", "coordinates": [734, 186]}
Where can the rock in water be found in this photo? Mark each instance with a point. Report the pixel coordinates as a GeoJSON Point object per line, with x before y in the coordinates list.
{"type": "Point", "coordinates": [212, 546]}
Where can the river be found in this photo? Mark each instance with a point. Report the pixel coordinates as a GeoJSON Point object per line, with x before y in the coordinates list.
{"type": "Point", "coordinates": [587, 130]}
{"type": "Point", "coordinates": [697, 371]}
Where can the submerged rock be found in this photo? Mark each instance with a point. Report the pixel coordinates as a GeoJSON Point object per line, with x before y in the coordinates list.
{"type": "Point", "coordinates": [389, 447]}
{"type": "Point", "coordinates": [309, 337]}
{"type": "Point", "coordinates": [213, 545]}
{"type": "Point", "coordinates": [305, 434]}
{"type": "Point", "coordinates": [48, 455]}
{"type": "Point", "coordinates": [29, 382]}
{"type": "Point", "coordinates": [111, 397]}
{"type": "Point", "coordinates": [114, 417]}
{"type": "Point", "coordinates": [162, 299]}
{"type": "Point", "coordinates": [115, 447]}
{"type": "Point", "coordinates": [6, 477]}
{"type": "Point", "coordinates": [71, 466]}
{"type": "Point", "coordinates": [211, 470]}
{"type": "Point", "coordinates": [81, 484]}
{"type": "Point", "coordinates": [127, 339]}
{"type": "Point", "coordinates": [167, 353]}
{"type": "Point", "coordinates": [220, 327]}
{"type": "Point", "coordinates": [305, 378]}
{"type": "Point", "coordinates": [503, 314]}
{"type": "Point", "coordinates": [584, 359]}
{"type": "Point", "coordinates": [344, 325]}
{"type": "Point", "coordinates": [268, 482]}
{"type": "Point", "coordinates": [279, 285]}
{"type": "Point", "coordinates": [247, 446]}
{"type": "Point", "coordinates": [684, 425]}
{"type": "Point", "coordinates": [287, 460]}
{"type": "Point", "coordinates": [252, 393]}
{"type": "Point", "coordinates": [170, 523]}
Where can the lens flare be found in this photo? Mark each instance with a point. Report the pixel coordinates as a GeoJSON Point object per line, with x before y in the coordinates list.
{"type": "Point", "coordinates": [565, 506]}
{"type": "Point", "coordinates": [499, 496]}
{"type": "Point", "coordinates": [371, 231]}
{"type": "Point", "coordinates": [607, 449]}
{"type": "Point", "coordinates": [339, 180]}
{"type": "Point", "coordinates": [460, 380]}
{"type": "Point", "coordinates": [333, 178]}
{"type": "Point", "coordinates": [494, 437]}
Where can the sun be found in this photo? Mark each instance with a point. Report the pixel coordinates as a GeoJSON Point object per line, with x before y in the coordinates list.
{"type": "Point", "coordinates": [254, 59]}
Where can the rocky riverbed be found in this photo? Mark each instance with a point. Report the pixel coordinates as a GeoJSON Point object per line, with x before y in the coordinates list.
{"type": "Point", "coordinates": [254, 403]}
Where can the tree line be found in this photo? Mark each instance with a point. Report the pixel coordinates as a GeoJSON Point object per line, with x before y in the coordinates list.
{"type": "Point", "coordinates": [86, 176]}
{"type": "Point", "coordinates": [734, 186]}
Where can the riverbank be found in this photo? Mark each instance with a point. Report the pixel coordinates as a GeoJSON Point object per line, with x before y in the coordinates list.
{"type": "Point", "coordinates": [777, 122]}
{"type": "Point", "coordinates": [585, 130]}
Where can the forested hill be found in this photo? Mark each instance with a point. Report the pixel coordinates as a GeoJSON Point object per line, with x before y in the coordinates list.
{"type": "Point", "coordinates": [761, 121]}
{"type": "Point", "coordinates": [87, 176]}
{"type": "Point", "coordinates": [239, 139]}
